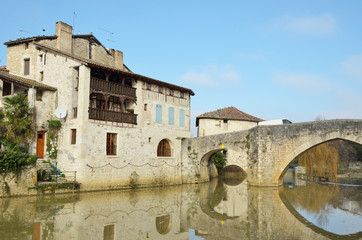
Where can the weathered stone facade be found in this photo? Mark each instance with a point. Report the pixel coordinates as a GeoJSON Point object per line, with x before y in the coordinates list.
{"type": "Point", "coordinates": [102, 98]}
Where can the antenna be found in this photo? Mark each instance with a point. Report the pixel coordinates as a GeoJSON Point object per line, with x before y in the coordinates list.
{"type": "Point", "coordinates": [108, 32]}
{"type": "Point", "coordinates": [74, 16]}
{"type": "Point", "coordinates": [22, 31]}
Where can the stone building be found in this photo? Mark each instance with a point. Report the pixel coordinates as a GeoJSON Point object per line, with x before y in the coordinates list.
{"type": "Point", "coordinates": [224, 120]}
{"type": "Point", "coordinates": [119, 128]}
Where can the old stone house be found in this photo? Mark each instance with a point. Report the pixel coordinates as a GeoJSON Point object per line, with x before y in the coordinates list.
{"type": "Point", "coordinates": [119, 128]}
{"type": "Point", "coordinates": [224, 120]}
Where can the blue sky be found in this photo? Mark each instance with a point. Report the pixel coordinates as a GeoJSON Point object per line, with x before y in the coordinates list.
{"type": "Point", "coordinates": [273, 59]}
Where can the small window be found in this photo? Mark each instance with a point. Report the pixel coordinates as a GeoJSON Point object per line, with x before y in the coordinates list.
{"type": "Point", "coordinates": [39, 95]}
{"type": "Point", "coordinates": [160, 89]}
{"type": "Point", "coordinates": [26, 66]}
{"type": "Point", "coordinates": [41, 76]}
{"type": "Point", "coordinates": [145, 108]}
{"type": "Point", "coordinates": [26, 45]}
{"type": "Point", "coordinates": [75, 112]}
{"type": "Point", "coordinates": [225, 121]}
{"type": "Point", "coordinates": [148, 86]}
{"type": "Point", "coordinates": [181, 94]}
{"type": "Point", "coordinates": [45, 58]}
{"type": "Point", "coordinates": [149, 139]}
{"type": "Point", "coordinates": [108, 232]}
{"type": "Point", "coordinates": [171, 92]}
{"type": "Point", "coordinates": [41, 58]}
{"type": "Point", "coordinates": [164, 149]}
{"type": "Point", "coordinates": [73, 139]}
{"type": "Point", "coordinates": [111, 143]}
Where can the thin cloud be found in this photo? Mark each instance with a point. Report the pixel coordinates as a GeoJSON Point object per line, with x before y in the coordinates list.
{"type": "Point", "coordinates": [352, 66]}
{"type": "Point", "coordinates": [212, 76]}
{"type": "Point", "coordinates": [324, 24]}
{"type": "Point", "coordinates": [307, 82]}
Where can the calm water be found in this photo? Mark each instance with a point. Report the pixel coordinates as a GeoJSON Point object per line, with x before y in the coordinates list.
{"type": "Point", "coordinates": [216, 210]}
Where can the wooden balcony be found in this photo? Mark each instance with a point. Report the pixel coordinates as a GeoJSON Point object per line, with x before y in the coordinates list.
{"type": "Point", "coordinates": [103, 86]}
{"type": "Point", "coordinates": [105, 115]}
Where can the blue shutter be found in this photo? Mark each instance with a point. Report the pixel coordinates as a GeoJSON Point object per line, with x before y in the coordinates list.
{"type": "Point", "coordinates": [158, 113]}
{"type": "Point", "coordinates": [182, 118]}
{"type": "Point", "coordinates": [170, 116]}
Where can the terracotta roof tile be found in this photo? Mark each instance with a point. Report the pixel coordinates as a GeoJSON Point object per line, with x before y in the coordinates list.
{"type": "Point", "coordinates": [229, 113]}
{"type": "Point", "coordinates": [112, 69]}
{"type": "Point", "coordinates": [6, 76]}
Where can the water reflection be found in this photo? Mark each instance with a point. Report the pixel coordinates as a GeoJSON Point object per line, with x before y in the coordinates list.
{"type": "Point", "coordinates": [208, 211]}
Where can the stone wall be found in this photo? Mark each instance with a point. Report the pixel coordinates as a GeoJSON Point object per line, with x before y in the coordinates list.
{"type": "Point", "coordinates": [18, 185]}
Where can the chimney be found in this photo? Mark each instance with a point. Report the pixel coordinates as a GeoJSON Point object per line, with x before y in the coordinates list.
{"type": "Point", "coordinates": [64, 34]}
{"type": "Point", "coordinates": [112, 51]}
{"type": "Point", "coordinates": [118, 59]}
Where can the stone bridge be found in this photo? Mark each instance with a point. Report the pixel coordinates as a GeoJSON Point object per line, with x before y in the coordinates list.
{"type": "Point", "coordinates": [264, 152]}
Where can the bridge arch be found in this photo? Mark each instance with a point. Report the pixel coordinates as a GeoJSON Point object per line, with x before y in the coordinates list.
{"type": "Point", "coordinates": [205, 163]}
{"type": "Point", "coordinates": [298, 150]}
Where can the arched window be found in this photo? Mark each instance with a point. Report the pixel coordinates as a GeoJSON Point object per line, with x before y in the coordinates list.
{"type": "Point", "coordinates": [164, 149]}
{"type": "Point", "coordinates": [163, 224]}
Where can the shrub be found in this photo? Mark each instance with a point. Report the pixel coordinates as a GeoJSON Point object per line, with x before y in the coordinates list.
{"type": "Point", "coordinates": [14, 160]}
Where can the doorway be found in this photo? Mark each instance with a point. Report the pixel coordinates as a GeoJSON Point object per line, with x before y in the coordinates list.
{"type": "Point", "coordinates": [40, 141]}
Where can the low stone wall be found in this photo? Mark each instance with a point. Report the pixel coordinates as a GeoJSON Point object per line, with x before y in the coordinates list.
{"type": "Point", "coordinates": [18, 185]}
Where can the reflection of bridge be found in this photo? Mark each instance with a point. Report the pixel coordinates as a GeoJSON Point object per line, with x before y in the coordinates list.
{"type": "Point", "coordinates": [265, 152]}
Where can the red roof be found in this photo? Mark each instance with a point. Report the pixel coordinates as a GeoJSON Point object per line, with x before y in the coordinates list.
{"type": "Point", "coordinates": [229, 113]}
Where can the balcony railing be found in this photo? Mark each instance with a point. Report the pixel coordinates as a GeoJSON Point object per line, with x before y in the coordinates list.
{"type": "Point", "coordinates": [111, 87]}
{"type": "Point", "coordinates": [104, 115]}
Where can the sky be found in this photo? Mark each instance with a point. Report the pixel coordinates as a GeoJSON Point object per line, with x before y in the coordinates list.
{"type": "Point", "coordinates": [300, 60]}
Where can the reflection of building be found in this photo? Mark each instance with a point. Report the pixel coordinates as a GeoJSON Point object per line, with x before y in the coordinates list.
{"type": "Point", "coordinates": [224, 120]}
{"type": "Point", "coordinates": [114, 122]}
{"type": "Point", "coordinates": [352, 206]}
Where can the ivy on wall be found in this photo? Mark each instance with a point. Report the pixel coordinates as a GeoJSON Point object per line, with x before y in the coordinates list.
{"type": "Point", "coordinates": [52, 140]}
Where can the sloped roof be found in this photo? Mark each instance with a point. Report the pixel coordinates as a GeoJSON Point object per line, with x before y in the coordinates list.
{"type": "Point", "coordinates": [229, 113]}
{"type": "Point", "coordinates": [6, 76]}
{"type": "Point", "coordinates": [98, 65]}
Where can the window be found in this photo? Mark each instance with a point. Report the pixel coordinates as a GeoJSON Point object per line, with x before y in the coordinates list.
{"type": "Point", "coordinates": [145, 108]}
{"type": "Point", "coordinates": [164, 149]}
{"type": "Point", "coordinates": [182, 118]}
{"type": "Point", "coordinates": [163, 224]}
{"type": "Point", "coordinates": [41, 58]}
{"type": "Point", "coordinates": [170, 92]}
{"type": "Point", "coordinates": [41, 76]}
{"type": "Point", "coordinates": [158, 113]}
{"type": "Point", "coordinates": [108, 232]}
{"type": "Point", "coordinates": [111, 143]}
{"type": "Point", "coordinates": [148, 86]}
{"type": "Point", "coordinates": [181, 95]}
{"type": "Point", "coordinates": [45, 58]}
{"type": "Point", "coordinates": [171, 116]}
{"type": "Point", "coordinates": [160, 89]}
{"type": "Point", "coordinates": [75, 112]}
{"type": "Point", "coordinates": [73, 139]}
{"type": "Point", "coordinates": [26, 66]}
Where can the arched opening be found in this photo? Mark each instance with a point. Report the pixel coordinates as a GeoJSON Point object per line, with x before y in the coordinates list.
{"type": "Point", "coordinates": [207, 167]}
{"type": "Point", "coordinates": [233, 175]}
{"type": "Point", "coordinates": [164, 149]}
{"type": "Point", "coordinates": [336, 160]}
{"type": "Point", "coordinates": [163, 224]}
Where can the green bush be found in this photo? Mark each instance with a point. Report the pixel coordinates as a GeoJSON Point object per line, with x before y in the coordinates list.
{"type": "Point", "coordinates": [14, 160]}
{"type": "Point", "coordinates": [219, 160]}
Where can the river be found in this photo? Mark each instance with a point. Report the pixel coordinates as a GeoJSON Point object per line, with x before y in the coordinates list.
{"type": "Point", "coordinates": [215, 210]}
